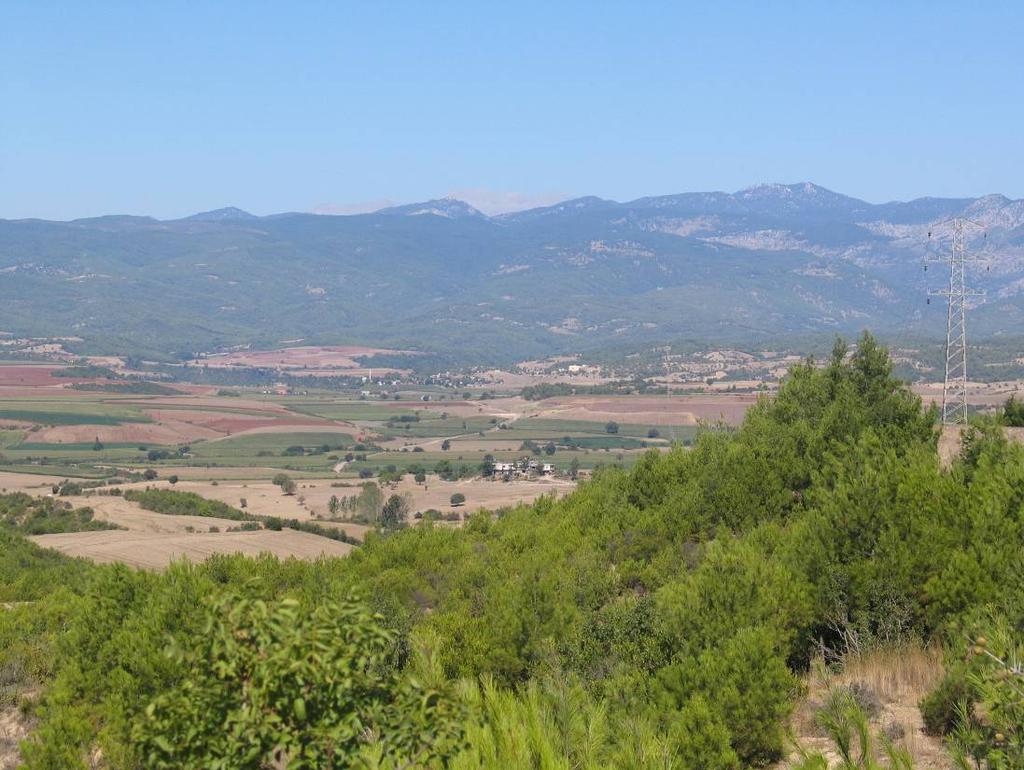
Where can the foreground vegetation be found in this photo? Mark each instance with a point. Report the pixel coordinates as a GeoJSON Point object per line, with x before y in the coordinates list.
{"type": "Point", "coordinates": [656, 618]}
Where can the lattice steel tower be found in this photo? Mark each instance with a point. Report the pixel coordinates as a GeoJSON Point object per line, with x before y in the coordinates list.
{"type": "Point", "coordinates": [954, 387]}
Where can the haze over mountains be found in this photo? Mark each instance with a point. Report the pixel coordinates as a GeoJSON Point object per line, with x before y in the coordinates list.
{"type": "Point", "coordinates": [763, 263]}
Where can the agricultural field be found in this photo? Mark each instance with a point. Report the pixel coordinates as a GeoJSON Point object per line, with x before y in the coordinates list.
{"type": "Point", "coordinates": [308, 360]}
{"type": "Point", "coordinates": [427, 446]}
{"type": "Point", "coordinates": [157, 550]}
{"type": "Point", "coordinates": [50, 425]}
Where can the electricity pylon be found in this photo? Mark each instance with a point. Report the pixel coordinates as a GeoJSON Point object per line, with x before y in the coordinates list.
{"type": "Point", "coordinates": [954, 386]}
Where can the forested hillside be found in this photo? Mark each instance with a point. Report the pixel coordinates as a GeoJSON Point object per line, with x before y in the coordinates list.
{"type": "Point", "coordinates": [768, 263]}
{"type": "Point", "coordinates": [656, 618]}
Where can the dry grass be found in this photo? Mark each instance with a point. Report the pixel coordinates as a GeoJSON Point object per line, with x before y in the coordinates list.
{"type": "Point", "coordinates": [890, 681]}
{"type": "Point", "coordinates": [14, 728]}
{"type": "Point", "coordinates": [895, 674]}
{"type": "Point", "coordinates": [156, 550]}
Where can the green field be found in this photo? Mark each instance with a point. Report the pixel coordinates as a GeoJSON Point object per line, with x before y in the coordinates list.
{"type": "Point", "coordinates": [11, 436]}
{"type": "Point", "coordinates": [89, 446]}
{"type": "Point", "coordinates": [363, 411]}
{"type": "Point", "coordinates": [585, 442]}
{"type": "Point", "coordinates": [433, 426]}
{"type": "Point", "coordinates": [61, 417]}
{"type": "Point", "coordinates": [72, 411]}
{"type": "Point", "coordinates": [253, 443]}
{"type": "Point", "coordinates": [321, 451]}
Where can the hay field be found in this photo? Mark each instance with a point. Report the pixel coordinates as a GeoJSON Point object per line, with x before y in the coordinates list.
{"type": "Point", "coordinates": [156, 550]}
{"type": "Point", "coordinates": [308, 359]}
{"type": "Point", "coordinates": [649, 410]}
{"type": "Point", "coordinates": [153, 540]}
{"type": "Point", "coordinates": [313, 495]}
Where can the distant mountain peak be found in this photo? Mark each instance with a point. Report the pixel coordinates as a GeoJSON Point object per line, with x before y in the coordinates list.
{"type": "Point", "coordinates": [448, 207]}
{"type": "Point", "coordinates": [573, 206]}
{"type": "Point", "coordinates": [802, 195]}
{"type": "Point", "coordinates": [221, 215]}
{"type": "Point", "coordinates": [779, 190]}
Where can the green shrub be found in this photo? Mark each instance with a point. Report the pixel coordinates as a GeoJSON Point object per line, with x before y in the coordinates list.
{"type": "Point", "coordinates": [942, 707]}
{"type": "Point", "coordinates": [275, 684]}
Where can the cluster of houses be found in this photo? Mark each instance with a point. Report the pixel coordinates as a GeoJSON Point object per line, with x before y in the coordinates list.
{"type": "Point", "coordinates": [524, 466]}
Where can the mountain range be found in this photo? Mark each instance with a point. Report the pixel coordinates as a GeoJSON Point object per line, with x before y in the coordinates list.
{"type": "Point", "coordinates": [768, 262]}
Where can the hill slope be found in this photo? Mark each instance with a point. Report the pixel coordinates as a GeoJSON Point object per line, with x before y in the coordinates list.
{"type": "Point", "coordinates": [769, 261]}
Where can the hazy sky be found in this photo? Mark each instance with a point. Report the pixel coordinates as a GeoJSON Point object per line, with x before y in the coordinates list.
{"type": "Point", "coordinates": [170, 108]}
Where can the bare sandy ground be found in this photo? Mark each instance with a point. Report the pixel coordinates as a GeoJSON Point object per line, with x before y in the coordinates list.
{"type": "Point", "coordinates": [949, 443]}
{"type": "Point", "coordinates": [241, 473]}
{"type": "Point", "coordinates": [983, 394]}
{"type": "Point", "coordinates": [643, 410]}
{"type": "Point", "coordinates": [128, 514]}
{"type": "Point", "coordinates": [951, 436]}
{"type": "Point", "coordinates": [647, 410]}
{"type": "Point", "coordinates": [896, 680]}
{"type": "Point", "coordinates": [262, 499]}
{"type": "Point", "coordinates": [154, 540]}
{"type": "Point", "coordinates": [27, 482]}
{"type": "Point", "coordinates": [155, 550]}
{"type": "Point", "coordinates": [480, 493]}
{"type": "Point", "coordinates": [503, 379]}
{"type": "Point", "coordinates": [306, 356]}
{"type": "Point", "coordinates": [312, 496]}
{"type": "Point", "coordinates": [14, 728]}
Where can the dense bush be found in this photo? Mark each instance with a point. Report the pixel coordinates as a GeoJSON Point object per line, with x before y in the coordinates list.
{"type": "Point", "coordinates": [183, 504]}
{"type": "Point", "coordinates": [279, 684]}
{"type": "Point", "coordinates": [986, 726]}
{"type": "Point", "coordinates": [942, 707]}
{"type": "Point", "coordinates": [1013, 412]}
{"type": "Point", "coordinates": [28, 515]}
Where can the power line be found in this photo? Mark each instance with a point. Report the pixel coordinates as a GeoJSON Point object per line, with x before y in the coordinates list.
{"type": "Point", "coordinates": [954, 386]}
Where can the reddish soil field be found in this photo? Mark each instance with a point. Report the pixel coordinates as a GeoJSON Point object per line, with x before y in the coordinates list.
{"type": "Point", "coordinates": [36, 375]}
{"type": "Point", "coordinates": [229, 423]}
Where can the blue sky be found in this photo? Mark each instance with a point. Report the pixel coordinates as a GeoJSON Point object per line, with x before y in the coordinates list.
{"type": "Point", "coordinates": [170, 108]}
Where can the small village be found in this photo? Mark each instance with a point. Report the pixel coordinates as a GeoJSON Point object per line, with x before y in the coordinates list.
{"type": "Point", "coordinates": [524, 467]}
